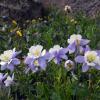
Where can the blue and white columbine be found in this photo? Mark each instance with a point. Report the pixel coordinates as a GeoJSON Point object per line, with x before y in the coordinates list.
{"type": "Point", "coordinates": [8, 59]}
{"type": "Point", "coordinates": [57, 53]}
{"type": "Point", "coordinates": [75, 41]}
{"type": "Point", "coordinates": [91, 59]}
{"type": "Point", "coordinates": [36, 58]}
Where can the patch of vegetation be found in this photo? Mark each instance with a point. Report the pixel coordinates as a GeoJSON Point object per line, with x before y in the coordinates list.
{"type": "Point", "coordinates": [55, 82]}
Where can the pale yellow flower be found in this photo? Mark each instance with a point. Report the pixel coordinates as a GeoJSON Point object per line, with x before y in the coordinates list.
{"type": "Point", "coordinates": [19, 33]}
{"type": "Point", "coordinates": [14, 22]}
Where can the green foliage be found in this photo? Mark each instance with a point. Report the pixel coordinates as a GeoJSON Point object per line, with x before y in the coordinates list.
{"type": "Point", "coordinates": [55, 82]}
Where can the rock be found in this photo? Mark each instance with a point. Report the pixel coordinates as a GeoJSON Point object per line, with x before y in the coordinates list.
{"type": "Point", "coordinates": [29, 9]}
{"type": "Point", "coordinates": [21, 9]}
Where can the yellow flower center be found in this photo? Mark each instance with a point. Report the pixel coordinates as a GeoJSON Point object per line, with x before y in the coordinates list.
{"type": "Point", "coordinates": [91, 58]}
{"type": "Point", "coordinates": [36, 63]}
{"type": "Point", "coordinates": [5, 58]}
{"type": "Point", "coordinates": [36, 53]}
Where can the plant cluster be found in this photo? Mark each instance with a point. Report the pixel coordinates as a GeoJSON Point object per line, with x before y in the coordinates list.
{"type": "Point", "coordinates": [77, 57]}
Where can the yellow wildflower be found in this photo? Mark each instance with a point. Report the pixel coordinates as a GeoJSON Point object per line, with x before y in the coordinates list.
{"type": "Point", "coordinates": [19, 33]}
{"type": "Point", "coordinates": [14, 22]}
{"type": "Point", "coordinates": [74, 21]}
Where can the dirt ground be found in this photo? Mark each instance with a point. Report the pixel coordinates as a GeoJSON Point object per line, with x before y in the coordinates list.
{"type": "Point", "coordinates": [19, 9]}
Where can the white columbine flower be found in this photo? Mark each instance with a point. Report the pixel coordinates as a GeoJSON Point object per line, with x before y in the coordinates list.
{"type": "Point", "coordinates": [36, 51]}
{"type": "Point", "coordinates": [8, 59]}
{"type": "Point", "coordinates": [74, 37]}
{"type": "Point", "coordinates": [76, 42]}
{"type": "Point", "coordinates": [91, 58]}
{"type": "Point", "coordinates": [9, 81]}
{"type": "Point", "coordinates": [36, 58]}
{"type": "Point", "coordinates": [6, 56]}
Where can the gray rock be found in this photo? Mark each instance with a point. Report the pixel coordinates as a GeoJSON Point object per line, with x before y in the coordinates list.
{"type": "Point", "coordinates": [20, 9]}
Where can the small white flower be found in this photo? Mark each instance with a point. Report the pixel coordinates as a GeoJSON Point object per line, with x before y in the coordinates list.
{"type": "Point", "coordinates": [67, 8]}
{"type": "Point", "coordinates": [36, 51]}
{"type": "Point", "coordinates": [55, 48]}
{"type": "Point", "coordinates": [91, 58]}
{"type": "Point", "coordinates": [9, 81]}
{"type": "Point", "coordinates": [74, 37]}
{"type": "Point", "coordinates": [69, 65]}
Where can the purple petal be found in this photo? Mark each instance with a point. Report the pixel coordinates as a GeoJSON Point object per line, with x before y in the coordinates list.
{"type": "Point", "coordinates": [49, 56]}
{"type": "Point", "coordinates": [63, 51]}
{"type": "Point", "coordinates": [57, 60]}
{"type": "Point", "coordinates": [97, 67]}
{"type": "Point", "coordinates": [98, 52]}
{"type": "Point", "coordinates": [32, 67]}
{"type": "Point", "coordinates": [64, 57]}
{"type": "Point", "coordinates": [42, 63]}
{"type": "Point", "coordinates": [15, 54]}
{"type": "Point", "coordinates": [10, 67]}
{"type": "Point", "coordinates": [84, 42]}
{"type": "Point", "coordinates": [16, 61]}
{"type": "Point", "coordinates": [79, 59]}
{"type": "Point", "coordinates": [28, 60]}
{"type": "Point", "coordinates": [85, 68]}
{"type": "Point", "coordinates": [3, 67]}
{"type": "Point", "coordinates": [72, 47]}
{"type": "Point", "coordinates": [87, 48]}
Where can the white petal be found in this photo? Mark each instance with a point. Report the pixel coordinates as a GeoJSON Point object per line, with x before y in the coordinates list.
{"type": "Point", "coordinates": [43, 52]}
{"type": "Point", "coordinates": [2, 63]}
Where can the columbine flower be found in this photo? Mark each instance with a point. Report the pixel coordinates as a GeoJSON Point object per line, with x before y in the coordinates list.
{"type": "Point", "coordinates": [9, 81]}
{"type": "Point", "coordinates": [69, 65]}
{"type": "Point", "coordinates": [8, 59]}
{"type": "Point", "coordinates": [75, 41]}
{"type": "Point", "coordinates": [2, 77]}
{"type": "Point", "coordinates": [57, 53]}
{"type": "Point", "coordinates": [89, 60]}
{"type": "Point", "coordinates": [36, 58]}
